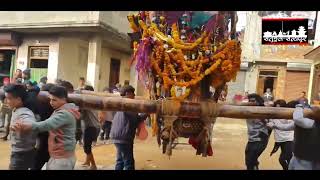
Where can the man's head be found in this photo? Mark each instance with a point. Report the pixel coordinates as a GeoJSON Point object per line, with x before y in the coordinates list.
{"type": "Point", "coordinates": [292, 104]}
{"type": "Point", "coordinates": [44, 80]}
{"type": "Point", "coordinates": [16, 95]}
{"type": "Point", "coordinates": [255, 98]}
{"type": "Point", "coordinates": [6, 81]}
{"type": "Point", "coordinates": [82, 81]}
{"type": "Point", "coordinates": [126, 82]}
{"type": "Point", "coordinates": [280, 103]}
{"type": "Point", "coordinates": [58, 96]}
{"type": "Point", "coordinates": [128, 92]}
{"type": "Point", "coordinates": [18, 73]}
{"type": "Point", "coordinates": [58, 81]}
{"type": "Point", "coordinates": [26, 74]}
{"type": "Point", "coordinates": [88, 88]}
{"type": "Point", "coordinates": [29, 85]}
{"type": "Point", "coordinates": [118, 86]}
{"type": "Point", "coordinates": [303, 94]}
{"type": "Point", "coordinates": [67, 85]}
{"type": "Point", "coordinates": [47, 87]}
{"type": "Point", "coordinates": [268, 90]}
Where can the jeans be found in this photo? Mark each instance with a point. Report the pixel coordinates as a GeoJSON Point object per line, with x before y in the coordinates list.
{"type": "Point", "coordinates": [300, 164]}
{"type": "Point", "coordinates": [90, 136]}
{"type": "Point", "coordinates": [253, 152]}
{"type": "Point", "coordinates": [78, 131]}
{"type": "Point", "coordinates": [62, 163]}
{"type": "Point", "coordinates": [106, 128]}
{"type": "Point", "coordinates": [23, 160]}
{"type": "Point", "coordinates": [286, 153]}
{"type": "Point", "coordinates": [6, 114]}
{"type": "Point", "coordinates": [42, 153]}
{"type": "Point", "coordinates": [125, 159]}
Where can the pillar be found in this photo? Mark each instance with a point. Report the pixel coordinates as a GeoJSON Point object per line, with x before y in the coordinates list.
{"type": "Point", "coordinates": [94, 61]}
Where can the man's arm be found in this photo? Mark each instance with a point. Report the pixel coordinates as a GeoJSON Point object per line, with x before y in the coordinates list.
{"type": "Point", "coordinates": [57, 120]}
{"type": "Point", "coordinates": [300, 120]}
{"type": "Point", "coordinates": [285, 127]}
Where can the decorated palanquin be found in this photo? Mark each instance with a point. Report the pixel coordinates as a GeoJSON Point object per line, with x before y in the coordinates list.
{"type": "Point", "coordinates": [180, 56]}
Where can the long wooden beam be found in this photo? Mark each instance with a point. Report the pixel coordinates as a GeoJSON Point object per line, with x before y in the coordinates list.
{"type": "Point", "coordinates": [187, 108]}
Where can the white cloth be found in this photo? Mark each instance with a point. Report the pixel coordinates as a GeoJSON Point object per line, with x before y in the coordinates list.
{"type": "Point", "coordinates": [300, 120]}
{"type": "Point", "coordinates": [280, 135]}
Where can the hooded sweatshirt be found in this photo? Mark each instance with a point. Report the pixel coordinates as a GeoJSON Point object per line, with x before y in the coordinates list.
{"type": "Point", "coordinates": [22, 141]}
{"type": "Point", "coordinates": [62, 127]}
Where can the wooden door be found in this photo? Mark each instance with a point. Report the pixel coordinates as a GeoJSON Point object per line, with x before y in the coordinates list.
{"type": "Point", "coordinates": [260, 87]}
{"type": "Point", "coordinates": [274, 92]}
{"type": "Point", "coordinates": [114, 72]}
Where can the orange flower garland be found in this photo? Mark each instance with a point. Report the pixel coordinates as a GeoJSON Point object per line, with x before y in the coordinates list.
{"type": "Point", "coordinates": [170, 64]}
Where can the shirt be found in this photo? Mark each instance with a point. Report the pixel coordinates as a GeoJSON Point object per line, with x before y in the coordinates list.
{"type": "Point", "coordinates": [280, 135]}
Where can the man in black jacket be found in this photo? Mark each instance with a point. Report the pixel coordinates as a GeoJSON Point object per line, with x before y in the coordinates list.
{"type": "Point", "coordinates": [44, 110]}
{"type": "Point", "coordinates": [123, 131]}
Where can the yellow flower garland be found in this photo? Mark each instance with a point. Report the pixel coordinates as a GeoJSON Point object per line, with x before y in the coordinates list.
{"type": "Point", "coordinates": [222, 66]}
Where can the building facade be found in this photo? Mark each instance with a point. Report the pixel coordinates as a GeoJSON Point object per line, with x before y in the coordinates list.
{"type": "Point", "coordinates": [68, 45]}
{"type": "Point", "coordinates": [282, 68]}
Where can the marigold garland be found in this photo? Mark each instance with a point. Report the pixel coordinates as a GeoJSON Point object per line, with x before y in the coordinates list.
{"type": "Point", "coordinates": [168, 61]}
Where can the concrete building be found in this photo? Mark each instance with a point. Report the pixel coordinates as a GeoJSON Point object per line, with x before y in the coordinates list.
{"type": "Point", "coordinates": [68, 45]}
{"type": "Point", "coordinates": [314, 85]}
{"type": "Point", "coordinates": [283, 69]}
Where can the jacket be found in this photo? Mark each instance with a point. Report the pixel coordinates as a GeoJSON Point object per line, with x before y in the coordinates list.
{"type": "Point", "coordinates": [124, 125]}
{"type": "Point", "coordinates": [62, 127]}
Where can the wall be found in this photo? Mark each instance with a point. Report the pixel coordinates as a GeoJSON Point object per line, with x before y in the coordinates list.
{"type": "Point", "coordinates": [251, 80]}
{"type": "Point", "coordinates": [116, 19]}
{"type": "Point", "coordinates": [37, 40]}
{"type": "Point", "coordinates": [107, 54]}
{"type": "Point", "coordinates": [73, 59]}
{"type": "Point", "coordinates": [18, 19]}
{"type": "Point", "coordinates": [289, 53]}
{"type": "Point", "coordinates": [252, 37]}
{"type": "Point", "coordinates": [238, 86]}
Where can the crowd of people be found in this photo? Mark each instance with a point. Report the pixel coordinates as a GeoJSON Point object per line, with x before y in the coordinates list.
{"type": "Point", "coordinates": [298, 138]}
{"type": "Point", "coordinates": [44, 136]}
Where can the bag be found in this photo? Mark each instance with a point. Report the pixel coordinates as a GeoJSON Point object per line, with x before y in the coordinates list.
{"type": "Point", "coordinates": [142, 132]}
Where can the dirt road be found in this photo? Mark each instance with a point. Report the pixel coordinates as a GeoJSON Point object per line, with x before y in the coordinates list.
{"type": "Point", "coordinates": [229, 141]}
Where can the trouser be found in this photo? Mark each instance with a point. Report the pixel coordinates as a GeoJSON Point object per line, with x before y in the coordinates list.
{"type": "Point", "coordinates": [6, 115]}
{"type": "Point", "coordinates": [286, 153]}
{"type": "Point", "coordinates": [78, 131]}
{"type": "Point", "coordinates": [125, 159]}
{"type": "Point", "coordinates": [90, 135]}
{"type": "Point", "coordinates": [61, 163]}
{"type": "Point", "coordinates": [23, 160]}
{"type": "Point", "coordinates": [2, 119]}
{"type": "Point", "coordinates": [42, 153]}
{"type": "Point", "coordinates": [300, 164]}
{"type": "Point", "coordinates": [106, 128]}
{"type": "Point", "coordinates": [253, 152]}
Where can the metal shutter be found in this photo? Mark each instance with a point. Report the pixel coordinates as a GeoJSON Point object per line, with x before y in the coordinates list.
{"type": "Point", "coordinates": [296, 82]}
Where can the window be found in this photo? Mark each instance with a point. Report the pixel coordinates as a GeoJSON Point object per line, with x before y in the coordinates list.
{"type": "Point", "coordinates": [38, 57]}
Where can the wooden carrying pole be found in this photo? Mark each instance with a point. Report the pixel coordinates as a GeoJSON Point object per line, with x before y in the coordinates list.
{"type": "Point", "coordinates": [187, 108]}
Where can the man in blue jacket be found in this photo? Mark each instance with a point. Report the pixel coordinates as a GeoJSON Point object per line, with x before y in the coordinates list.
{"type": "Point", "coordinates": [123, 131]}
